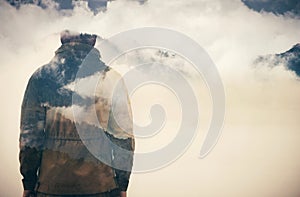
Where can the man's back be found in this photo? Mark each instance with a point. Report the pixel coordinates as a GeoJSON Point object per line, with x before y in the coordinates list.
{"type": "Point", "coordinates": [50, 141]}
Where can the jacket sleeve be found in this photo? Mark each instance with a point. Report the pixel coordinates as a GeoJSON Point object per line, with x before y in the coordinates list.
{"type": "Point", "coordinates": [31, 134]}
{"type": "Point", "coordinates": [121, 125]}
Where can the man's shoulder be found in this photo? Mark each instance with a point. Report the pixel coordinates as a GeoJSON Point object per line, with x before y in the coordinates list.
{"type": "Point", "coordinates": [43, 71]}
{"type": "Point", "coordinates": [113, 74]}
{"type": "Point", "coordinates": [53, 71]}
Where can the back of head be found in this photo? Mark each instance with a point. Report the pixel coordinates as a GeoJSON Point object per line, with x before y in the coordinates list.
{"type": "Point", "coordinates": [69, 37]}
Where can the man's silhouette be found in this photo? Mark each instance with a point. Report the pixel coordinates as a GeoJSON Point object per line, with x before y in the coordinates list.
{"type": "Point", "coordinates": [54, 158]}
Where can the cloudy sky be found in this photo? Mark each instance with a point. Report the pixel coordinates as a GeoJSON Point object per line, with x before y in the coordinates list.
{"type": "Point", "coordinates": [257, 153]}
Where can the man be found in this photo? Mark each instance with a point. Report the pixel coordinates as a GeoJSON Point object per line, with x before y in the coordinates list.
{"type": "Point", "coordinates": [64, 151]}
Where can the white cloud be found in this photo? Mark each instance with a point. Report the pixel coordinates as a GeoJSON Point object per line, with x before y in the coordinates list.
{"type": "Point", "coordinates": [256, 155]}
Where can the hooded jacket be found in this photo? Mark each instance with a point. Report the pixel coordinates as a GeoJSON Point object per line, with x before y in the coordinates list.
{"type": "Point", "coordinates": [74, 133]}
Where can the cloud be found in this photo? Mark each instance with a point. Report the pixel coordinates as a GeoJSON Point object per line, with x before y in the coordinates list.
{"type": "Point", "coordinates": [257, 154]}
{"type": "Point", "coordinates": [94, 6]}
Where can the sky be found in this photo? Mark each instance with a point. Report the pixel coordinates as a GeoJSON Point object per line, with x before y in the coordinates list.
{"type": "Point", "coordinates": [257, 153]}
